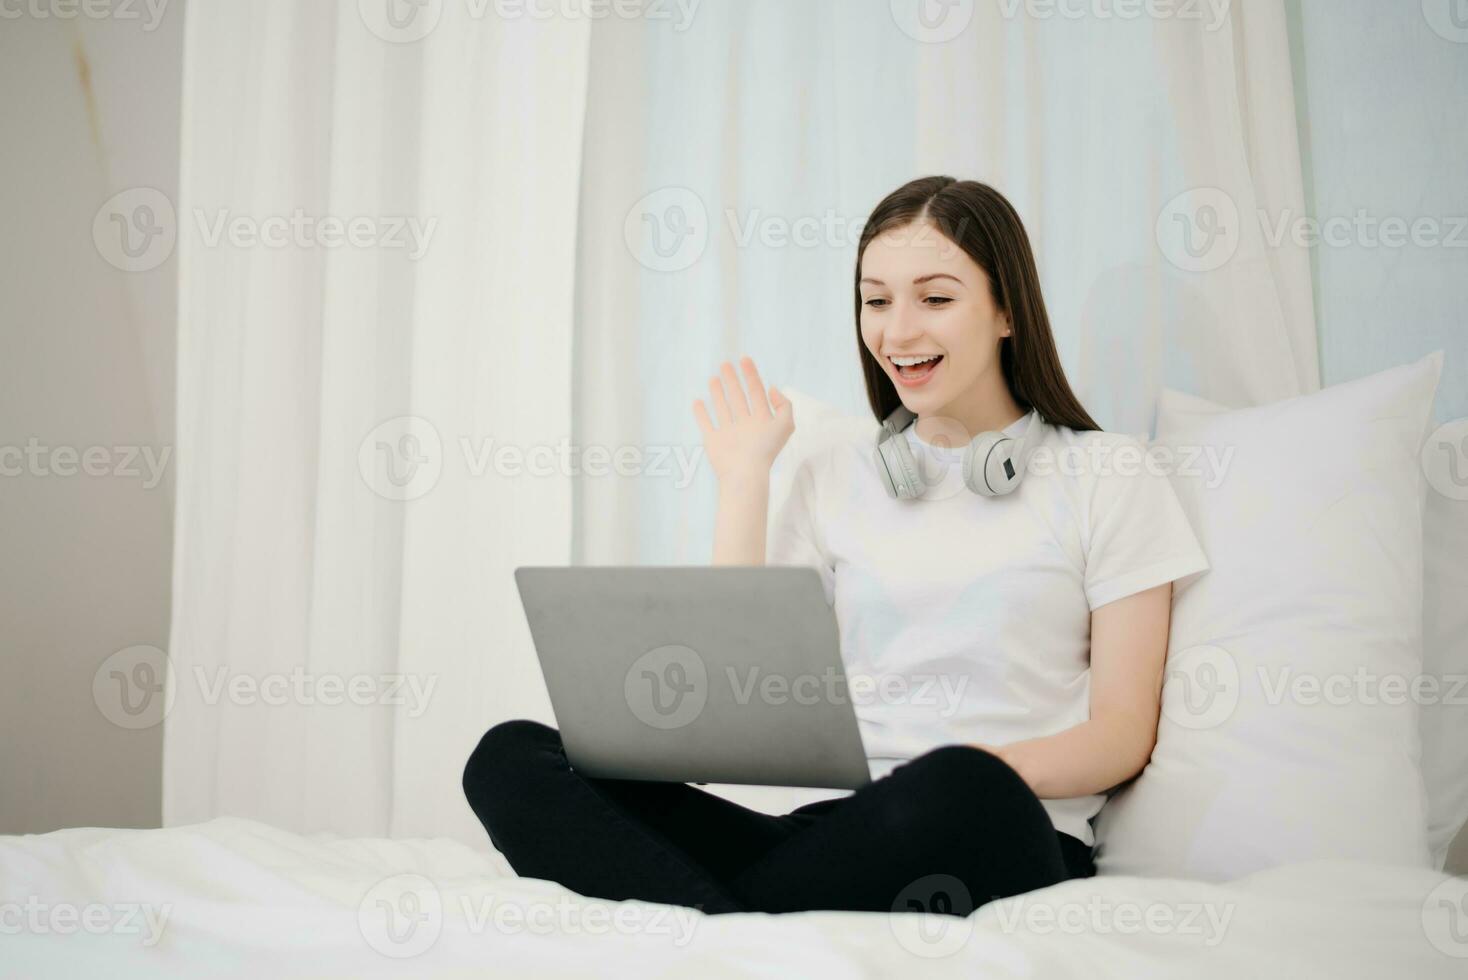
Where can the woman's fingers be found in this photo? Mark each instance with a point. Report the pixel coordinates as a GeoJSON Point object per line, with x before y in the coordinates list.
{"type": "Point", "coordinates": [701, 415]}
{"type": "Point", "coordinates": [758, 403]}
{"type": "Point", "coordinates": [721, 405]}
{"type": "Point", "coordinates": [734, 390]}
{"type": "Point", "coordinates": [777, 400]}
{"type": "Point", "coordinates": [727, 397]}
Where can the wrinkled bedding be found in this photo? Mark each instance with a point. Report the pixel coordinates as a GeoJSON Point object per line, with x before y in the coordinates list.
{"type": "Point", "coordinates": [237, 898]}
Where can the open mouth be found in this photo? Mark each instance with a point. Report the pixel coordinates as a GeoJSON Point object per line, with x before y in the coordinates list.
{"type": "Point", "coordinates": [917, 368]}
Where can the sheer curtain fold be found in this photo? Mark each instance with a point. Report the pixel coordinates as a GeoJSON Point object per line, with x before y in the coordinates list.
{"type": "Point", "coordinates": [346, 535]}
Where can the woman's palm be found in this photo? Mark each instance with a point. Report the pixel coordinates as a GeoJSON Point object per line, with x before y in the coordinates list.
{"type": "Point", "coordinates": [751, 429]}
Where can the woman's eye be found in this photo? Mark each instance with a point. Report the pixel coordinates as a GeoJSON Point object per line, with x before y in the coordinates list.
{"type": "Point", "coordinates": [939, 300]}
{"type": "Point", "coordinates": [876, 301]}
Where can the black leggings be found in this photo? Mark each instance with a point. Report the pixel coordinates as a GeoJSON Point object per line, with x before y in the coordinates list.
{"type": "Point", "coordinates": [946, 832]}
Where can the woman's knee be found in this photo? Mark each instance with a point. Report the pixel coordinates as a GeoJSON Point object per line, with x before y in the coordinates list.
{"type": "Point", "coordinates": [956, 767]}
{"type": "Point", "coordinates": [504, 755]}
{"type": "Point", "coordinates": [965, 786]}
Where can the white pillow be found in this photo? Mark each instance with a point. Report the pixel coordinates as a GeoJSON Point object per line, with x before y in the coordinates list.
{"type": "Point", "coordinates": [1445, 640]}
{"type": "Point", "coordinates": [1444, 707]}
{"type": "Point", "coordinates": [1283, 737]}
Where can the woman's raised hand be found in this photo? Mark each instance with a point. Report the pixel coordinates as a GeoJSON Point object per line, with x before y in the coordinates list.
{"type": "Point", "coordinates": [751, 430]}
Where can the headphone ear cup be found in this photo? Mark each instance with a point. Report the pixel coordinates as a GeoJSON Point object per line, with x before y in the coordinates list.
{"type": "Point", "coordinates": [898, 469]}
{"type": "Point", "coordinates": [988, 466]}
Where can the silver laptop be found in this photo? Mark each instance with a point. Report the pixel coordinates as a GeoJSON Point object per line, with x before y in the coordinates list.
{"type": "Point", "coordinates": [695, 674]}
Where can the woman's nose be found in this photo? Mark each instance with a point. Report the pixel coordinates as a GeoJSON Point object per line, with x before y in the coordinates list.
{"type": "Point", "coordinates": [903, 326]}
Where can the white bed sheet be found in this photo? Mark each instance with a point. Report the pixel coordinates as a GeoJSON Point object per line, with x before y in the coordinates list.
{"type": "Point", "coordinates": [237, 898]}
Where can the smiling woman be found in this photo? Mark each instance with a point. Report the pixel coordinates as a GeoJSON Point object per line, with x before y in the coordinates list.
{"type": "Point", "coordinates": [1040, 612]}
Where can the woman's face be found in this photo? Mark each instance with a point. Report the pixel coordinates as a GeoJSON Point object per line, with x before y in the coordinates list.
{"type": "Point", "coordinates": [923, 297]}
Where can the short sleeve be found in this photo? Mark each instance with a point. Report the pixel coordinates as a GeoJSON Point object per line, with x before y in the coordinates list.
{"type": "Point", "coordinates": [1138, 535]}
{"type": "Point", "coordinates": [794, 532]}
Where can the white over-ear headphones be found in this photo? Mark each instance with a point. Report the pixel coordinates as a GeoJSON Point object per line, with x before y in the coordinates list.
{"type": "Point", "coordinates": [993, 463]}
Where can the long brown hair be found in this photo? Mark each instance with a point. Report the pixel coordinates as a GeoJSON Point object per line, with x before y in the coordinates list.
{"type": "Point", "coordinates": [985, 225]}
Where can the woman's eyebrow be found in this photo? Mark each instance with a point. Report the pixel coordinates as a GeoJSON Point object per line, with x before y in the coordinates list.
{"type": "Point", "coordinates": [919, 280]}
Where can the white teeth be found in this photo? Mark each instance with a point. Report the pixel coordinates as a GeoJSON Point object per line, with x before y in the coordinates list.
{"type": "Point", "coordinates": [910, 361]}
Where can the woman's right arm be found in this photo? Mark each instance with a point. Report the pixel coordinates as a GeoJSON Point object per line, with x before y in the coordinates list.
{"type": "Point", "coordinates": [751, 432]}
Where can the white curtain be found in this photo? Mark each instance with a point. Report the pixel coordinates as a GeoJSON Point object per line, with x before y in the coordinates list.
{"type": "Point", "coordinates": [766, 117]}
{"type": "Point", "coordinates": [709, 207]}
{"type": "Point", "coordinates": [345, 623]}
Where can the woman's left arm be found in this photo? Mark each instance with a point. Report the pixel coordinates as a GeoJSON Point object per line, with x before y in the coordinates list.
{"type": "Point", "coordinates": [1128, 650]}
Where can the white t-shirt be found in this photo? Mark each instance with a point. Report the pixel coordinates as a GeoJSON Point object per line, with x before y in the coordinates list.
{"type": "Point", "coordinates": [966, 618]}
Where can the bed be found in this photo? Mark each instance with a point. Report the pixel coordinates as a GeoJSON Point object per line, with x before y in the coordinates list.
{"type": "Point", "coordinates": [233, 897]}
{"type": "Point", "coordinates": [1278, 837]}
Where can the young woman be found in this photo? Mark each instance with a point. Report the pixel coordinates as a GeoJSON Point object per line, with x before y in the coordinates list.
{"type": "Point", "coordinates": [1014, 639]}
